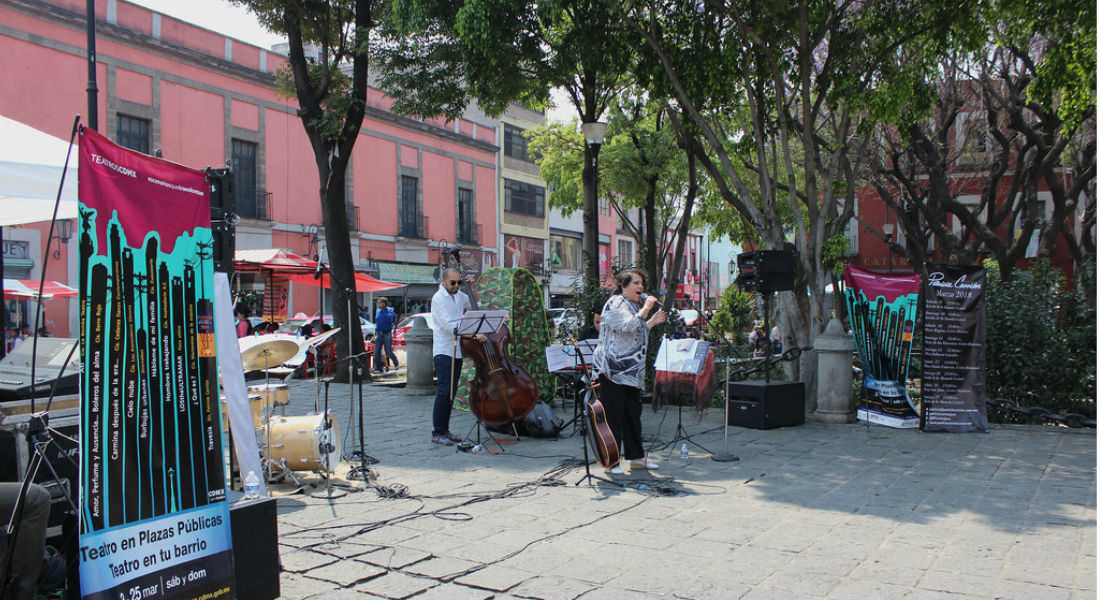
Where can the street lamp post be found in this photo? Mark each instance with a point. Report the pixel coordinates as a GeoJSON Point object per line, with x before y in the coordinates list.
{"type": "Point", "coordinates": [888, 230]}
{"type": "Point", "coordinates": [593, 137]}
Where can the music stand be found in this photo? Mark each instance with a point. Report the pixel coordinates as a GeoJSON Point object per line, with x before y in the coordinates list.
{"type": "Point", "coordinates": [481, 322]}
{"type": "Point", "coordinates": [678, 362]}
{"type": "Point", "coordinates": [562, 359]}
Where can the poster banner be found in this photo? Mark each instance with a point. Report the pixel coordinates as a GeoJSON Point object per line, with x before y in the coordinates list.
{"type": "Point", "coordinates": [154, 523]}
{"type": "Point", "coordinates": [882, 313]}
{"type": "Point", "coordinates": [953, 380]}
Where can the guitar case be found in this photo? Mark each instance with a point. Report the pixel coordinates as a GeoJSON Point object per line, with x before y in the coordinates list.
{"type": "Point", "coordinates": [517, 291]}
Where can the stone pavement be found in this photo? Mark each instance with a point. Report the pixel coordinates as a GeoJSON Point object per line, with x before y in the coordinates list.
{"type": "Point", "coordinates": [816, 511]}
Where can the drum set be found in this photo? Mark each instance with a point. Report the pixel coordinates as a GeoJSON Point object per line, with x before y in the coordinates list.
{"type": "Point", "coordinates": [287, 443]}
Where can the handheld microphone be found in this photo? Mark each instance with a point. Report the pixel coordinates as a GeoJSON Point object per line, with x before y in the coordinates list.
{"type": "Point", "coordinates": [657, 304]}
{"type": "Point", "coordinates": [317, 272]}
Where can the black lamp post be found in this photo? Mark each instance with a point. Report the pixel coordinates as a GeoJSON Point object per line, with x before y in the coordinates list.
{"type": "Point", "coordinates": [888, 230]}
{"type": "Point", "coordinates": [593, 137]}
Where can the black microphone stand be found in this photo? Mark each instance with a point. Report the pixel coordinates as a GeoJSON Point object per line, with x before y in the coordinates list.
{"type": "Point", "coordinates": [365, 460]}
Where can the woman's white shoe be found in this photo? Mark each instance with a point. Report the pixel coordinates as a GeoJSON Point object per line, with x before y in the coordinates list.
{"type": "Point", "coordinates": [650, 466]}
{"type": "Point", "coordinates": [616, 470]}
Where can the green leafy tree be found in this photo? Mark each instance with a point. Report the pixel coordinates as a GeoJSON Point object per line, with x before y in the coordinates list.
{"type": "Point", "coordinates": [331, 90]}
{"type": "Point", "coordinates": [808, 78]}
{"type": "Point", "coordinates": [1013, 117]}
{"type": "Point", "coordinates": [441, 54]}
{"type": "Point", "coordinates": [734, 317]}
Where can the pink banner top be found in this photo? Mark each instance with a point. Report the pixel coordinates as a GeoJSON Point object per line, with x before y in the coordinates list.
{"type": "Point", "coordinates": [878, 284]}
{"type": "Point", "coordinates": [150, 194]}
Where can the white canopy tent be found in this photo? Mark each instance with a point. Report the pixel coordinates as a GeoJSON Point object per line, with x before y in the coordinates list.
{"type": "Point", "coordinates": [31, 163]}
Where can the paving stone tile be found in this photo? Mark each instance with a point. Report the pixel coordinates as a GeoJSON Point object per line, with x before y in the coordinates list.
{"type": "Point", "coordinates": [396, 557]}
{"type": "Point", "coordinates": [1018, 590]}
{"type": "Point", "coordinates": [302, 561]}
{"type": "Point", "coordinates": [294, 585]}
{"type": "Point", "coordinates": [396, 586]}
{"type": "Point", "coordinates": [451, 591]}
{"type": "Point", "coordinates": [345, 573]}
{"type": "Point", "coordinates": [863, 590]}
{"type": "Point", "coordinates": [495, 578]}
{"type": "Point", "coordinates": [552, 587]}
{"type": "Point", "coordinates": [441, 567]}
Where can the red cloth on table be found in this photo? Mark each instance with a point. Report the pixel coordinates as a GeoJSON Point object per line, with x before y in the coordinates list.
{"type": "Point", "coordinates": [667, 385]}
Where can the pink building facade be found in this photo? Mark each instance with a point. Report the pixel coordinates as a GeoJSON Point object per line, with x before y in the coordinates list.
{"type": "Point", "coordinates": [202, 99]}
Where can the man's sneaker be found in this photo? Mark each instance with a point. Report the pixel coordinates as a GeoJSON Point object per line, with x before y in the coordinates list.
{"type": "Point", "coordinates": [442, 440]}
{"type": "Point", "coordinates": [452, 437]}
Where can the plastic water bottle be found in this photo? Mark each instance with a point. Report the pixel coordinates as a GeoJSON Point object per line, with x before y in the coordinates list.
{"type": "Point", "coordinates": [683, 450]}
{"type": "Point", "coordinates": [251, 486]}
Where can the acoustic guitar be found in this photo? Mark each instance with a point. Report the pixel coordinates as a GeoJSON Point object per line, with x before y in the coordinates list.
{"type": "Point", "coordinates": [599, 432]}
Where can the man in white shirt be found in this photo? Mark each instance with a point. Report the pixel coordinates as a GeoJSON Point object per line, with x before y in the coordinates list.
{"type": "Point", "coordinates": [448, 305]}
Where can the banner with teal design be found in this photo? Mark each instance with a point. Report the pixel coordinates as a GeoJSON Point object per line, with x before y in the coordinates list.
{"type": "Point", "coordinates": [154, 523]}
{"type": "Point", "coordinates": [882, 314]}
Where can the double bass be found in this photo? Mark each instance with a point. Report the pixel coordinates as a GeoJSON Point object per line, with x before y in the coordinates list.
{"type": "Point", "coordinates": [501, 391]}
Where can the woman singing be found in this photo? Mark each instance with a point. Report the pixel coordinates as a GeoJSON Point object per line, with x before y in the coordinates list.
{"type": "Point", "coordinates": [620, 362]}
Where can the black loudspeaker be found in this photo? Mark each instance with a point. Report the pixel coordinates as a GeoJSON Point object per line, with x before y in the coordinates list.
{"type": "Point", "coordinates": [255, 546]}
{"type": "Point", "coordinates": [766, 271]}
{"type": "Point", "coordinates": [765, 282]}
{"type": "Point", "coordinates": [767, 404]}
{"type": "Point", "coordinates": [766, 261]}
{"type": "Point", "coordinates": [223, 217]}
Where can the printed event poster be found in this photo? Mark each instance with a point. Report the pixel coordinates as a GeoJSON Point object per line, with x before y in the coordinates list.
{"type": "Point", "coordinates": [154, 523]}
{"type": "Point", "coordinates": [953, 383]}
{"type": "Point", "coordinates": [882, 313]}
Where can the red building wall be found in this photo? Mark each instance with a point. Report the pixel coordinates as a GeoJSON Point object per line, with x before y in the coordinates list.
{"type": "Point", "coordinates": [198, 97]}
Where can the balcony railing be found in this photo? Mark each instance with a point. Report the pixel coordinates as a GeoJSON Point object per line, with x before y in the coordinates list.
{"type": "Point", "coordinates": [469, 233]}
{"type": "Point", "coordinates": [353, 218]}
{"type": "Point", "coordinates": [414, 227]}
{"type": "Point", "coordinates": [259, 208]}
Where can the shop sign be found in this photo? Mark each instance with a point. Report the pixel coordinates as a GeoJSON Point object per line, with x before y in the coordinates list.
{"type": "Point", "coordinates": [401, 273]}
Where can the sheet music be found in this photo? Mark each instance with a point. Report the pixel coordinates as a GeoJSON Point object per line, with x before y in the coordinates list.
{"type": "Point", "coordinates": [481, 321]}
{"type": "Point", "coordinates": [685, 355]}
{"type": "Point", "coordinates": [560, 357]}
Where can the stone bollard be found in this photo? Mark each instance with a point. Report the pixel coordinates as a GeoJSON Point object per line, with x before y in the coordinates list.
{"type": "Point", "coordinates": [419, 369]}
{"type": "Point", "coordinates": [834, 375]}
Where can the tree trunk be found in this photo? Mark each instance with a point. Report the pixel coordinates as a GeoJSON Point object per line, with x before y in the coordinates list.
{"type": "Point", "coordinates": [341, 271]}
{"type": "Point", "coordinates": [672, 278]}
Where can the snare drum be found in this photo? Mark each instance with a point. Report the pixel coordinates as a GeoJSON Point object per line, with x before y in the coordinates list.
{"type": "Point", "coordinates": [308, 443]}
{"type": "Point", "coordinates": [278, 396]}
{"type": "Point", "coordinates": [255, 405]}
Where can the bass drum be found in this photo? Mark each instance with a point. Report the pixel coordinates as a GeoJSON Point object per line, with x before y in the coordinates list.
{"type": "Point", "coordinates": [307, 443]}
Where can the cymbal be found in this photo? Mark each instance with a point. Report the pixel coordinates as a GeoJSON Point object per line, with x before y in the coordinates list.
{"type": "Point", "coordinates": [317, 340]}
{"type": "Point", "coordinates": [266, 351]}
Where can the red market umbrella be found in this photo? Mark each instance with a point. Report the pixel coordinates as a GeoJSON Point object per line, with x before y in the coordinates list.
{"type": "Point", "coordinates": [363, 282]}
{"type": "Point", "coordinates": [275, 260]}
{"type": "Point", "coordinates": [21, 289]}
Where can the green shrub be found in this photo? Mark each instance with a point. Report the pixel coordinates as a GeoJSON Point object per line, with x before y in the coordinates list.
{"type": "Point", "coordinates": [1040, 341]}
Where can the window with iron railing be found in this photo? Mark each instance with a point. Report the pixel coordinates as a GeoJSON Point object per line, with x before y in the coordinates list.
{"type": "Point", "coordinates": [412, 223]}
{"type": "Point", "coordinates": [467, 231]}
{"type": "Point", "coordinates": [243, 161]}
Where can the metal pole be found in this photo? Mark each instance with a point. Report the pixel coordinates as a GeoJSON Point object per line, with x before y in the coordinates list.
{"type": "Point", "coordinates": [725, 456]}
{"type": "Point", "coordinates": [92, 89]}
